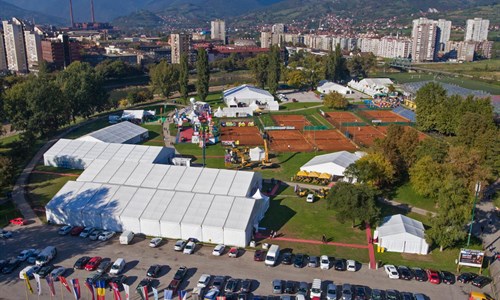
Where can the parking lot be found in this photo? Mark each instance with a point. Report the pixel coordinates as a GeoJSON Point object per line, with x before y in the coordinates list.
{"type": "Point", "coordinates": [140, 256]}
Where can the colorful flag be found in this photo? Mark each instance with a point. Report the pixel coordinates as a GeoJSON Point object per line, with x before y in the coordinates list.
{"type": "Point", "coordinates": [155, 293]}
{"type": "Point", "coordinates": [101, 290]}
{"type": "Point", "coordinates": [76, 288]}
{"type": "Point", "coordinates": [64, 282]}
{"type": "Point", "coordinates": [116, 291]}
{"type": "Point", "coordinates": [126, 289]}
{"type": "Point", "coordinates": [143, 291]}
{"type": "Point", "coordinates": [91, 289]}
{"type": "Point", "coordinates": [28, 283]}
{"type": "Point", "coordinates": [50, 282]}
{"type": "Point", "coordinates": [182, 295]}
{"type": "Point", "coordinates": [167, 294]}
{"type": "Point", "coordinates": [38, 285]}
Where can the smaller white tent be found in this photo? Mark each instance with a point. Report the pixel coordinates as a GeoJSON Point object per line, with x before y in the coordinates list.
{"type": "Point", "coordinates": [257, 154]}
{"type": "Point", "coordinates": [399, 233]}
{"type": "Point", "coordinates": [332, 163]}
{"type": "Point", "coordinates": [327, 87]}
{"type": "Point", "coordinates": [121, 133]}
{"type": "Point", "coordinates": [247, 94]}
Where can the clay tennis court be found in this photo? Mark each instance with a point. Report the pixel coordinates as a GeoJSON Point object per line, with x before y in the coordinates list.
{"type": "Point", "coordinates": [297, 121]}
{"type": "Point", "coordinates": [288, 141]}
{"type": "Point", "coordinates": [247, 136]}
{"type": "Point", "coordinates": [364, 135]}
{"type": "Point", "coordinates": [421, 135]}
{"type": "Point", "coordinates": [382, 115]}
{"type": "Point", "coordinates": [336, 118]}
{"type": "Point", "coordinates": [329, 140]}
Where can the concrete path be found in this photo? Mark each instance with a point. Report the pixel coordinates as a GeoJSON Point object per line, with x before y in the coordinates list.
{"type": "Point", "coordinates": [406, 207]}
{"type": "Point", "coordinates": [371, 252]}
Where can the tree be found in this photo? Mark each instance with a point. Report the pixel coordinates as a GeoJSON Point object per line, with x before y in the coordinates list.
{"type": "Point", "coordinates": [138, 96]}
{"type": "Point", "coordinates": [428, 98]}
{"type": "Point", "coordinates": [361, 64]}
{"type": "Point", "coordinates": [434, 148]}
{"type": "Point", "coordinates": [296, 78]}
{"type": "Point", "coordinates": [398, 146]}
{"type": "Point", "coordinates": [184, 77]}
{"type": "Point", "coordinates": [314, 69]}
{"type": "Point", "coordinates": [109, 69]}
{"type": "Point", "coordinates": [7, 171]}
{"type": "Point", "coordinates": [203, 74]}
{"type": "Point", "coordinates": [426, 176]}
{"type": "Point", "coordinates": [164, 78]}
{"type": "Point", "coordinates": [373, 169]}
{"type": "Point", "coordinates": [479, 132]}
{"type": "Point", "coordinates": [273, 69]}
{"type": "Point", "coordinates": [335, 100]}
{"type": "Point", "coordinates": [83, 89]}
{"type": "Point", "coordinates": [353, 202]}
{"type": "Point", "coordinates": [258, 66]}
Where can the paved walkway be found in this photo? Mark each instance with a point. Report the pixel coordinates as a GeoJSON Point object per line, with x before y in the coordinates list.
{"type": "Point", "coordinates": [371, 252]}
{"type": "Point", "coordinates": [406, 207]}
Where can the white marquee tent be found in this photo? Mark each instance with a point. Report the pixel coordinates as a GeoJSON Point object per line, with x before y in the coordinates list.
{"type": "Point", "coordinates": [150, 218]}
{"type": "Point", "coordinates": [327, 87]}
{"type": "Point", "coordinates": [249, 94]}
{"type": "Point", "coordinates": [332, 163]}
{"type": "Point", "coordinates": [399, 233]}
{"type": "Point", "coordinates": [78, 154]}
{"type": "Point", "coordinates": [120, 133]}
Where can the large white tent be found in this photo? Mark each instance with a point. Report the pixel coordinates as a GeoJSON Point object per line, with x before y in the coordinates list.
{"type": "Point", "coordinates": [327, 87]}
{"type": "Point", "coordinates": [195, 215]}
{"type": "Point", "coordinates": [332, 163]}
{"type": "Point", "coordinates": [240, 221]}
{"type": "Point", "coordinates": [150, 218]}
{"type": "Point", "coordinates": [120, 133]}
{"type": "Point", "coordinates": [249, 94]}
{"type": "Point", "coordinates": [78, 154]}
{"type": "Point", "coordinates": [400, 233]}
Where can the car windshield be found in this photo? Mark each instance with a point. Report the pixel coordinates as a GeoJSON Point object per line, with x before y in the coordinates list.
{"type": "Point", "coordinates": [270, 258]}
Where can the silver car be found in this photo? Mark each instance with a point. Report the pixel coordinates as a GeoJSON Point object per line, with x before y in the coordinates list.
{"type": "Point", "coordinates": [346, 291]}
{"type": "Point", "coordinates": [277, 286]}
{"type": "Point", "coordinates": [331, 292]}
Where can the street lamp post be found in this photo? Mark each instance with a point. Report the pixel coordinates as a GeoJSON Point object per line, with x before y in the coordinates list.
{"type": "Point", "coordinates": [478, 189]}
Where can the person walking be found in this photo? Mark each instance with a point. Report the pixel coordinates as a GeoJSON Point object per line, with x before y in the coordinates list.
{"type": "Point", "coordinates": [324, 239]}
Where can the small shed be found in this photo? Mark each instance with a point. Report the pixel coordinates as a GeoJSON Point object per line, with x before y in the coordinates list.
{"type": "Point", "coordinates": [398, 233]}
{"type": "Point", "coordinates": [257, 154]}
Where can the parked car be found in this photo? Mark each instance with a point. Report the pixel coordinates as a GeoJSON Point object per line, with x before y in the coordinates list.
{"type": "Point", "coordinates": [346, 291]}
{"type": "Point", "coordinates": [93, 263]}
{"type": "Point", "coordinates": [233, 252]}
{"type": "Point", "coordinates": [419, 274]}
{"type": "Point", "coordinates": [231, 285]}
{"type": "Point", "coordinates": [153, 271]}
{"type": "Point", "coordinates": [86, 232]}
{"type": "Point", "coordinates": [106, 235]}
{"type": "Point", "coordinates": [81, 262]}
{"type": "Point", "coordinates": [392, 295]}
{"type": "Point", "coordinates": [303, 288]}
{"type": "Point", "coordinates": [218, 250]}
{"type": "Point", "coordinates": [433, 276]}
{"type": "Point", "coordinates": [155, 242]}
{"type": "Point", "coordinates": [242, 296]}
{"type": "Point", "coordinates": [324, 262]}
{"type": "Point", "coordinates": [378, 294]}
{"type": "Point", "coordinates": [340, 265]}
{"type": "Point", "coordinates": [331, 292]}
{"type": "Point", "coordinates": [287, 258]}
{"type": "Point", "coordinates": [25, 254]}
{"type": "Point", "coordinates": [316, 290]}
{"type": "Point", "coordinates": [290, 286]}
{"type": "Point", "coordinates": [313, 262]}
{"type": "Point", "coordinates": [11, 265]}
{"type": "Point", "coordinates": [120, 279]}
{"type": "Point", "coordinates": [481, 281]}
{"type": "Point", "coordinates": [360, 293]}
{"type": "Point", "coordinates": [117, 266]}
{"type": "Point", "coordinates": [58, 271]}
{"type": "Point", "coordinates": [146, 282]}
{"type": "Point", "coordinates": [95, 234]}
{"type": "Point", "coordinates": [204, 280]}
{"type": "Point", "coordinates": [298, 262]}
{"type": "Point", "coordinates": [391, 271]}
{"type": "Point", "coordinates": [277, 286]}
{"type": "Point", "coordinates": [181, 273]}
{"type": "Point", "coordinates": [212, 294]}
{"type": "Point", "coordinates": [419, 297]}
{"type": "Point", "coordinates": [32, 257]}
{"type": "Point", "coordinates": [466, 277]}
{"type": "Point", "coordinates": [259, 255]}
{"type": "Point", "coordinates": [45, 270]}
{"type": "Point", "coordinates": [18, 221]}
{"type": "Point", "coordinates": [310, 198]}
{"type": "Point", "coordinates": [65, 230]}
{"type": "Point", "coordinates": [28, 271]}
{"type": "Point", "coordinates": [189, 248]}
{"type": "Point", "coordinates": [246, 286]}
{"type": "Point", "coordinates": [5, 234]}
{"type": "Point", "coordinates": [404, 273]}
{"type": "Point", "coordinates": [218, 282]}
{"type": "Point", "coordinates": [76, 230]}
{"type": "Point", "coordinates": [179, 245]}
{"type": "Point", "coordinates": [104, 266]}
{"type": "Point", "coordinates": [447, 277]}
{"type": "Point", "coordinates": [351, 265]}
{"type": "Point", "coordinates": [406, 296]}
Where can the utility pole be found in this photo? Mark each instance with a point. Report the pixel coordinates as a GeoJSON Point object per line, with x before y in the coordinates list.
{"type": "Point", "coordinates": [478, 189]}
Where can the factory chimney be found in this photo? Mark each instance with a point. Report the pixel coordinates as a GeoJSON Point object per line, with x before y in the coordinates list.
{"type": "Point", "coordinates": [92, 11]}
{"type": "Point", "coordinates": [71, 13]}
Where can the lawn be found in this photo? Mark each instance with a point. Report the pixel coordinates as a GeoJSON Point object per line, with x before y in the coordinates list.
{"type": "Point", "coordinates": [88, 128]}
{"type": "Point", "coordinates": [484, 68]}
{"type": "Point", "coordinates": [406, 194]}
{"type": "Point", "coordinates": [290, 164]}
{"type": "Point", "coordinates": [214, 154]}
{"type": "Point", "coordinates": [7, 212]}
{"type": "Point", "coordinates": [155, 132]}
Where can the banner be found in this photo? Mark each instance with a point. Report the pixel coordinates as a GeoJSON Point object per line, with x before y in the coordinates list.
{"type": "Point", "coordinates": [101, 290]}
{"type": "Point", "coordinates": [91, 289]}
{"type": "Point", "coordinates": [126, 289]}
{"type": "Point", "coordinates": [28, 283]}
{"type": "Point", "coordinates": [116, 291]}
{"type": "Point", "coordinates": [155, 293]}
{"type": "Point", "coordinates": [50, 283]}
{"type": "Point", "coordinates": [38, 285]}
{"type": "Point", "coordinates": [143, 292]}
{"type": "Point", "coordinates": [167, 294]}
{"type": "Point", "coordinates": [64, 282]}
{"type": "Point", "coordinates": [76, 288]}
{"type": "Point", "coordinates": [471, 258]}
{"type": "Point", "coordinates": [182, 295]}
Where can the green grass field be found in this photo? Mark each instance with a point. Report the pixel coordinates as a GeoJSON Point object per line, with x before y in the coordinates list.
{"type": "Point", "coordinates": [483, 68]}
{"type": "Point", "coordinates": [290, 164]}
{"type": "Point", "coordinates": [155, 132]}
{"type": "Point", "coordinates": [406, 194]}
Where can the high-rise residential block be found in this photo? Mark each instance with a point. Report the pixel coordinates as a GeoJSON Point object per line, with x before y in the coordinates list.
{"type": "Point", "coordinates": [218, 30]}
{"type": "Point", "coordinates": [477, 30]}
{"type": "Point", "coordinates": [3, 57]}
{"type": "Point", "coordinates": [424, 41]}
{"type": "Point", "coordinates": [443, 34]}
{"type": "Point", "coordinates": [278, 28]}
{"type": "Point", "coordinates": [179, 43]}
{"type": "Point", "coordinates": [33, 43]}
{"type": "Point", "coordinates": [14, 46]}
{"type": "Point", "coordinates": [266, 39]}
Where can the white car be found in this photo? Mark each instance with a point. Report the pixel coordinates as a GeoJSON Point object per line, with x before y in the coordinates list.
{"type": "Point", "coordinates": [310, 198]}
{"type": "Point", "coordinates": [29, 271]}
{"type": "Point", "coordinates": [351, 265]}
{"type": "Point", "coordinates": [155, 242]}
{"type": "Point", "coordinates": [391, 271]}
{"type": "Point", "coordinates": [25, 254]}
{"type": "Point", "coordinates": [204, 281]}
{"type": "Point", "coordinates": [86, 232]}
{"type": "Point", "coordinates": [57, 272]}
{"type": "Point", "coordinates": [324, 262]}
{"type": "Point", "coordinates": [65, 230]}
{"type": "Point", "coordinates": [106, 235]}
{"type": "Point", "coordinates": [179, 245]}
{"type": "Point", "coordinates": [218, 250]}
{"type": "Point", "coordinates": [95, 235]}
{"type": "Point", "coordinates": [189, 249]}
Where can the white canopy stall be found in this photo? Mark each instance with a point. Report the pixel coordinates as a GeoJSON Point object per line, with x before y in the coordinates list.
{"type": "Point", "coordinates": [400, 233]}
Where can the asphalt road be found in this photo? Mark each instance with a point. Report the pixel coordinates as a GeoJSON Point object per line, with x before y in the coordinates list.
{"type": "Point", "coordinates": [140, 256]}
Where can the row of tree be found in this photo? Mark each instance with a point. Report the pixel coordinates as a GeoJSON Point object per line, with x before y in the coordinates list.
{"type": "Point", "coordinates": [266, 69]}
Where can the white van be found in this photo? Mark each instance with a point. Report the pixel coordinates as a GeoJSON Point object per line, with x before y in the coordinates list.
{"type": "Point", "coordinates": [272, 255]}
{"type": "Point", "coordinates": [46, 255]}
{"type": "Point", "coordinates": [126, 237]}
{"type": "Point", "coordinates": [316, 288]}
{"type": "Point", "coordinates": [117, 266]}
{"type": "Point", "coordinates": [29, 271]}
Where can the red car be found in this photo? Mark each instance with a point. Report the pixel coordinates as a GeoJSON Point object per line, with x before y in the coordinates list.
{"type": "Point", "coordinates": [93, 263]}
{"type": "Point", "coordinates": [259, 255]}
{"type": "Point", "coordinates": [18, 221]}
{"type": "Point", "coordinates": [433, 276]}
{"type": "Point", "coordinates": [77, 230]}
{"type": "Point", "coordinates": [174, 286]}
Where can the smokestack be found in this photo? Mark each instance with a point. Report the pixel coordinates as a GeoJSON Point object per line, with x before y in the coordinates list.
{"type": "Point", "coordinates": [92, 11]}
{"type": "Point", "coordinates": [71, 13]}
